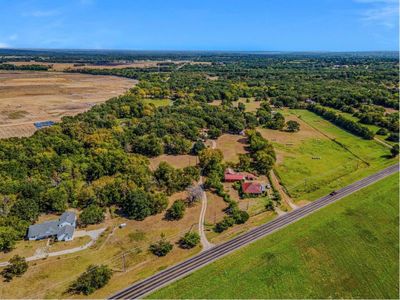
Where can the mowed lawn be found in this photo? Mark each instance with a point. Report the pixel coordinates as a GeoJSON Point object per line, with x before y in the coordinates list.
{"type": "Point", "coordinates": [311, 165]}
{"type": "Point", "coordinates": [349, 249]}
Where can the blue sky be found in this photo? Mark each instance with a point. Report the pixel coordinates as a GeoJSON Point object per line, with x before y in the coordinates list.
{"type": "Point", "coordinates": [264, 25]}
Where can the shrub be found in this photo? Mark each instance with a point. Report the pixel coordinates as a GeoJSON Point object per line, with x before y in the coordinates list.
{"type": "Point", "coordinates": [92, 279]}
{"type": "Point", "coordinates": [224, 224]}
{"type": "Point", "coordinates": [162, 247]}
{"type": "Point", "coordinates": [189, 240]}
{"type": "Point", "coordinates": [393, 137]}
{"type": "Point", "coordinates": [269, 206]}
{"type": "Point", "coordinates": [17, 267]}
{"type": "Point", "coordinates": [176, 211]}
{"type": "Point", "coordinates": [382, 131]}
{"type": "Point", "coordinates": [240, 217]}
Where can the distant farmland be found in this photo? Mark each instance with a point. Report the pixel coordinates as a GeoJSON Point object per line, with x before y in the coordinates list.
{"type": "Point", "coordinates": [27, 97]}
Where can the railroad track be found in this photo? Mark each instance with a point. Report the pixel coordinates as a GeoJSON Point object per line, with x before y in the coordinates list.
{"type": "Point", "coordinates": [152, 283]}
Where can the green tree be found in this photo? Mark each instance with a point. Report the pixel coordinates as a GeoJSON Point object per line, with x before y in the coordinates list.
{"type": "Point", "coordinates": [176, 211]}
{"type": "Point", "coordinates": [240, 216]}
{"type": "Point", "coordinates": [189, 240]}
{"type": "Point", "coordinates": [148, 145]}
{"type": "Point", "coordinates": [198, 146]}
{"type": "Point", "coordinates": [8, 237]}
{"type": "Point", "coordinates": [162, 247]}
{"type": "Point", "coordinates": [56, 199]}
{"type": "Point", "coordinates": [159, 202]}
{"type": "Point", "coordinates": [17, 266]}
{"type": "Point", "coordinates": [210, 159]}
{"type": "Point", "coordinates": [214, 132]}
{"type": "Point", "coordinates": [92, 214]}
{"type": "Point", "coordinates": [292, 126]}
{"type": "Point", "coordinates": [137, 205]}
{"type": "Point", "coordinates": [92, 279]}
{"type": "Point", "coordinates": [26, 209]}
{"type": "Point", "coordinates": [263, 162]}
{"type": "Point", "coordinates": [241, 106]}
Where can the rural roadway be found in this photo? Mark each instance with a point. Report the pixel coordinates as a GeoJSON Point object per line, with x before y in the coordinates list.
{"type": "Point", "coordinates": [158, 280]}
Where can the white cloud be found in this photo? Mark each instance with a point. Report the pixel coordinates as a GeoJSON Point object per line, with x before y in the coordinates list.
{"type": "Point", "coordinates": [4, 45]}
{"type": "Point", "coordinates": [380, 12]}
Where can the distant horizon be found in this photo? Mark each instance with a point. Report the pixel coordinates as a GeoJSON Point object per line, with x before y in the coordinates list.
{"type": "Point", "coordinates": [200, 50]}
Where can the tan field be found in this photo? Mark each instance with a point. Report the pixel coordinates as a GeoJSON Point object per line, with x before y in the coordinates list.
{"type": "Point", "coordinates": [231, 146]}
{"type": "Point", "coordinates": [28, 97]}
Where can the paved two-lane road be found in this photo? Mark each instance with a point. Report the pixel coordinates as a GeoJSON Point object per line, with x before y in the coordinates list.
{"type": "Point", "coordinates": [186, 267]}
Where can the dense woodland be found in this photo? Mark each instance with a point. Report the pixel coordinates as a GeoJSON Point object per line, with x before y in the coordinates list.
{"type": "Point", "coordinates": [100, 158]}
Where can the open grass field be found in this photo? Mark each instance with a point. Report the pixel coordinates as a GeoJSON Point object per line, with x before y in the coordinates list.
{"type": "Point", "coordinates": [310, 164]}
{"type": "Point", "coordinates": [49, 278]}
{"type": "Point", "coordinates": [177, 161]}
{"type": "Point", "coordinates": [231, 146]}
{"type": "Point", "coordinates": [27, 97]}
{"type": "Point", "coordinates": [349, 249]}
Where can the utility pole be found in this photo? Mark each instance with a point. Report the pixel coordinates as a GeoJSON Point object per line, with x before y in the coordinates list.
{"type": "Point", "coordinates": [123, 262]}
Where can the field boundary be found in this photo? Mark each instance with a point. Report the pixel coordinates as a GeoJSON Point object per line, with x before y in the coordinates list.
{"type": "Point", "coordinates": [333, 139]}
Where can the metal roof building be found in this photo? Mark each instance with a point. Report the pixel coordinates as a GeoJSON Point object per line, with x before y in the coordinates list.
{"type": "Point", "coordinates": [63, 229]}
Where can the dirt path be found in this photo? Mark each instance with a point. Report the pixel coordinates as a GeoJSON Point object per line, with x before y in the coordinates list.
{"type": "Point", "coordinates": [203, 238]}
{"type": "Point", "coordinates": [285, 197]}
{"type": "Point", "coordinates": [383, 143]}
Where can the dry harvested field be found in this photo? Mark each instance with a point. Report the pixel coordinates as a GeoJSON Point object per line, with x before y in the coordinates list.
{"type": "Point", "coordinates": [27, 97]}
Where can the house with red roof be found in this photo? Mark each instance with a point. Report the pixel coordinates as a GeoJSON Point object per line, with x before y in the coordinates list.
{"type": "Point", "coordinates": [252, 188]}
{"type": "Point", "coordinates": [232, 176]}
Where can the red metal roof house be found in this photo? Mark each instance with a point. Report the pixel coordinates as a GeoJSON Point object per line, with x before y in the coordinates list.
{"type": "Point", "coordinates": [232, 176]}
{"type": "Point", "coordinates": [253, 188]}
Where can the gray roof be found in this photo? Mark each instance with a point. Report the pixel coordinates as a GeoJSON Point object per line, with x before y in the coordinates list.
{"type": "Point", "coordinates": [68, 217]}
{"type": "Point", "coordinates": [67, 230]}
{"type": "Point", "coordinates": [52, 228]}
{"type": "Point", "coordinates": [43, 230]}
